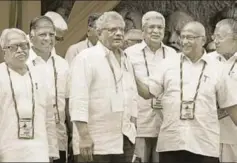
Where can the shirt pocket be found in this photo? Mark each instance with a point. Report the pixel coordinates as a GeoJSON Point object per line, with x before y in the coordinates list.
{"type": "Point", "coordinates": [207, 85]}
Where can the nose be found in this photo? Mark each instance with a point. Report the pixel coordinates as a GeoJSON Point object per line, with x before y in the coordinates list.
{"type": "Point", "coordinates": [19, 49]}
{"type": "Point", "coordinates": [119, 32]}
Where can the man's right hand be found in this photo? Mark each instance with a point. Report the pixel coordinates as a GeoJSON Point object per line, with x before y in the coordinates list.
{"type": "Point", "coordinates": [86, 148]}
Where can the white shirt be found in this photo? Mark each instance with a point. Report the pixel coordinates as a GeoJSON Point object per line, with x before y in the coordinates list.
{"type": "Point", "coordinates": [62, 70]}
{"type": "Point", "coordinates": [228, 132]}
{"type": "Point", "coordinates": [92, 91]}
{"type": "Point", "coordinates": [201, 135]}
{"type": "Point", "coordinates": [44, 144]}
{"type": "Point", "coordinates": [149, 120]}
{"type": "Point", "coordinates": [75, 49]}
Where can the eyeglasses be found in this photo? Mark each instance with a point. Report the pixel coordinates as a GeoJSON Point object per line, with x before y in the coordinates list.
{"type": "Point", "coordinates": [221, 38]}
{"type": "Point", "coordinates": [114, 30]}
{"type": "Point", "coordinates": [189, 37]}
{"type": "Point", "coordinates": [59, 39]}
{"type": "Point", "coordinates": [13, 48]}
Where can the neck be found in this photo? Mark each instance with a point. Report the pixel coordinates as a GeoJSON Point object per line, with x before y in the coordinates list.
{"type": "Point", "coordinates": [195, 56]}
{"type": "Point", "coordinates": [44, 55]}
{"type": "Point", "coordinates": [153, 46]}
{"type": "Point", "coordinates": [92, 41]}
{"type": "Point", "coordinates": [19, 69]}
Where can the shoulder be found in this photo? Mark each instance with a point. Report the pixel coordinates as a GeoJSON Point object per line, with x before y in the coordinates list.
{"type": "Point", "coordinates": [61, 61]}
{"type": "Point", "coordinates": [134, 48]}
{"type": "Point", "coordinates": [76, 47]}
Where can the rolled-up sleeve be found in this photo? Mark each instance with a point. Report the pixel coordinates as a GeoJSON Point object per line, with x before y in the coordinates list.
{"type": "Point", "coordinates": [226, 91]}
{"type": "Point", "coordinates": [51, 127]}
{"type": "Point", "coordinates": [81, 76]}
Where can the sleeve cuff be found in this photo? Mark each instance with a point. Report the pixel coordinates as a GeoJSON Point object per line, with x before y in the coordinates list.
{"type": "Point", "coordinates": [79, 115]}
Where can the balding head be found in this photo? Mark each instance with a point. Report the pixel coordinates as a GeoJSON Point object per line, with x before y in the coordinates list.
{"type": "Point", "coordinates": [196, 28]}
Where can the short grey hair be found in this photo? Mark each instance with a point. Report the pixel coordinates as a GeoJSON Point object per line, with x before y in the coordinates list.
{"type": "Point", "coordinates": [231, 22]}
{"type": "Point", "coordinates": [106, 17]}
{"type": "Point", "coordinates": [5, 32]}
{"type": "Point", "coordinates": [152, 15]}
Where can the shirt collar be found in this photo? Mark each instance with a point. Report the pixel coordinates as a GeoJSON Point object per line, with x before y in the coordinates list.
{"type": "Point", "coordinates": [106, 50]}
{"type": "Point", "coordinates": [34, 57]}
{"type": "Point", "coordinates": [204, 57]}
{"type": "Point", "coordinates": [144, 45]}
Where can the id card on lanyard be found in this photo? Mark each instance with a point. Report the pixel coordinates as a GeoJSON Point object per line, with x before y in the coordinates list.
{"type": "Point", "coordinates": [155, 102]}
{"type": "Point", "coordinates": [187, 108]}
{"type": "Point", "coordinates": [25, 125]}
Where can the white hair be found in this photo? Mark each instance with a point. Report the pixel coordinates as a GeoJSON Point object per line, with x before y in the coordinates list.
{"type": "Point", "coordinates": [5, 32]}
{"type": "Point", "coordinates": [152, 15]}
{"type": "Point", "coordinates": [106, 17]}
{"type": "Point", "coordinates": [58, 20]}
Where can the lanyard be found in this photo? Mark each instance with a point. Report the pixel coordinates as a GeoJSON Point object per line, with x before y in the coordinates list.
{"type": "Point", "coordinates": [181, 79]}
{"type": "Point", "coordinates": [15, 103]}
{"type": "Point", "coordinates": [233, 65]}
{"type": "Point", "coordinates": [112, 70]}
{"type": "Point", "coordinates": [145, 59]}
{"type": "Point", "coordinates": [55, 84]}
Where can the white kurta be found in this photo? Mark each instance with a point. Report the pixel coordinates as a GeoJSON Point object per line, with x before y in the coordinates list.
{"type": "Point", "coordinates": [92, 89]}
{"type": "Point", "coordinates": [149, 120]}
{"type": "Point", "coordinates": [62, 70]}
{"type": "Point", "coordinates": [201, 135]}
{"type": "Point", "coordinates": [43, 145]}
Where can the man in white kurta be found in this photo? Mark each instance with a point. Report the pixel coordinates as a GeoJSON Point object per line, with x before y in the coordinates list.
{"type": "Point", "coordinates": [225, 39]}
{"type": "Point", "coordinates": [191, 87]}
{"type": "Point", "coordinates": [56, 72]}
{"type": "Point", "coordinates": [145, 56]}
{"type": "Point", "coordinates": [24, 98]}
{"type": "Point", "coordinates": [90, 41]}
{"type": "Point", "coordinates": [103, 97]}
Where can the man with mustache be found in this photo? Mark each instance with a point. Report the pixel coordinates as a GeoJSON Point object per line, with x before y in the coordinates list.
{"type": "Point", "coordinates": [225, 39]}
{"type": "Point", "coordinates": [144, 57]}
{"type": "Point", "coordinates": [28, 132]}
{"type": "Point", "coordinates": [103, 97]}
{"type": "Point", "coordinates": [175, 22]}
{"type": "Point", "coordinates": [90, 41]}
{"type": "Point", "coordinates": [191, 86]}
{"type": "Point", "coordinates": [42, 37]}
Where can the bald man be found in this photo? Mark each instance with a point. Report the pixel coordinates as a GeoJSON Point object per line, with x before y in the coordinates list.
{"type": "Point", "coordinates": [175, 22]}
{"type": "Point", "coordinates": [191, 86]}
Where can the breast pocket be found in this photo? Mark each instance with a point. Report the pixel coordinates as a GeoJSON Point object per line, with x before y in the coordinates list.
{"type": "Point", "coordinates": [207, 85]}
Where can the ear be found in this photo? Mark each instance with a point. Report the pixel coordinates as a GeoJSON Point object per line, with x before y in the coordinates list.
{"type": "Point", "coordinates": [204, 40]}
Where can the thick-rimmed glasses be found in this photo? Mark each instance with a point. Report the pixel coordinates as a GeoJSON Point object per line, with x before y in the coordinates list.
{"type": "Point", "coordinates": [189, 37]}
{"type": "Point", "coordinates": [14, 47]}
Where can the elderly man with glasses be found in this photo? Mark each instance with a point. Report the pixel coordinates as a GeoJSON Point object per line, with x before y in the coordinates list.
{"type": "Point", "coordinates": [225, 39]}
{"type": "Point", "coordinates": [103, 96]}
{"type": "Point", "coordinates": [28, 131]}
{"type": "Point", "coordinates": [144, 57]}
{"type": "Point", "coordinates": [191, 86]}
{"type": "Point", "coordinates": [42, 37]}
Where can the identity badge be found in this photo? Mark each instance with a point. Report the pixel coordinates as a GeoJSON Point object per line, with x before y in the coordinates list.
{"type": "Point", "coordinates": [187, 110]}
{"type": "Point", "coordinates": [156, 103]}
{"type": "Point", "coordinates": [26, 128]}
